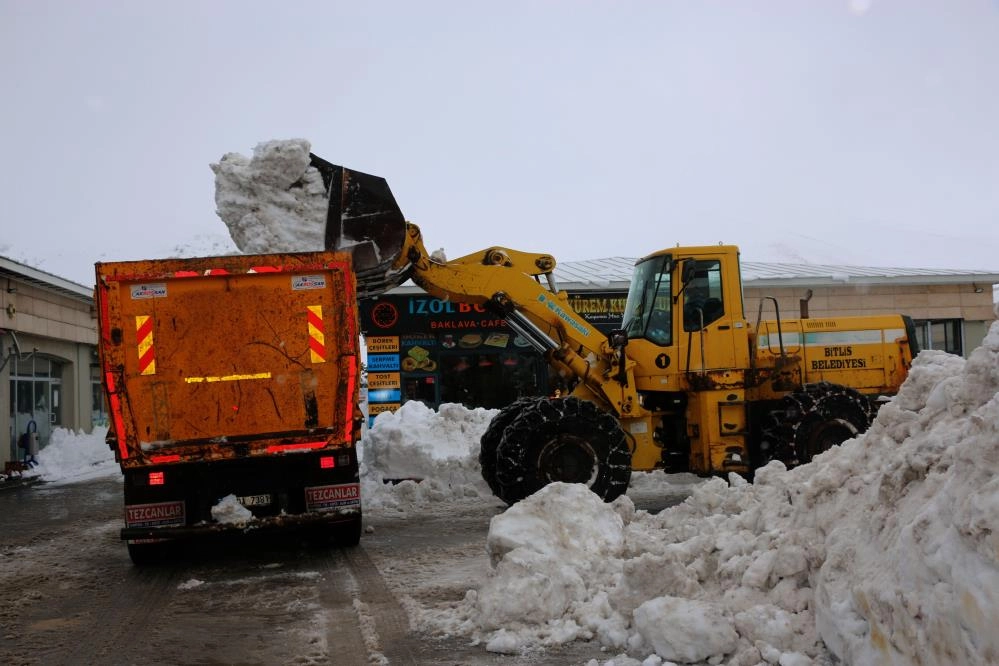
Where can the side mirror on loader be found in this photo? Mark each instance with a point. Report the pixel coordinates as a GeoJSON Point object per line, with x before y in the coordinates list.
{"type": "Point", "coordinates": [618, 340]}
{"type": "Point", "coordinates": [688, 271]}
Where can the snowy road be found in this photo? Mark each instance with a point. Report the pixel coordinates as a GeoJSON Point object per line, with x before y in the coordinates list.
{"type": "Point", "coordinates": [70, 595]}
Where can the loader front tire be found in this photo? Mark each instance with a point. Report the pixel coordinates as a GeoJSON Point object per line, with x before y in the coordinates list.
{"type": "Point", "coordinates": [489, 444]}
{"type": "Point", "coordinates": [813, 419]}
{"type": "Point", "coordinates": [562, 439]}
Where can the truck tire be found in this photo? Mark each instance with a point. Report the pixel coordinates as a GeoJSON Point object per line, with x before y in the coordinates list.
{"type": "Point", "coordinates": [562, 439]}
{"type": "Point", "coordinates": [338, 534]}
{"type": "Point", "coordinates": [348, 534]}
{"type": "Point", "coordinates": [143, 554]}
{"type": "Point", "coordinates": [490, 441]}
{"type": "Point", "coordinates": [813, 419]}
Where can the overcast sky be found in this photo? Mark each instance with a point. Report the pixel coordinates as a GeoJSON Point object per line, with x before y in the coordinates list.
{"type": "Point", "coordinates": [821, 132]}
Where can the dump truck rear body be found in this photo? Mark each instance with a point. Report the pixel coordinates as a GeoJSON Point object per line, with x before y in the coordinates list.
{"type": "Point", "coordinates": [233, 376]}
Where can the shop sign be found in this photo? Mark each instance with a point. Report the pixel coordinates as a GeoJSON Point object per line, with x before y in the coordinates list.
{"type": "Point", "coordinates": [383, 362]}
{"type": "Point", "coordinates": [384, 380]}
{"type": "Point", "coordinates": [384, 395]}
{"type": "Point", "coordinates": [382, 344]}
{"type": "Point", "coordinates": [605, 308]}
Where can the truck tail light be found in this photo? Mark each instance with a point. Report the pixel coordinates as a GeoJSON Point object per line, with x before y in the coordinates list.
{"type": "Point", "coordinates": [156, 479]}
{"type": "Point", "coordinates": [327, 462]}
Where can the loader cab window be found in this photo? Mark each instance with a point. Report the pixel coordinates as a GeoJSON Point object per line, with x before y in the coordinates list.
{"type": "Point", "coordinates": [648, 310]}
{"type": "Point", "coordinates": [702, 295]}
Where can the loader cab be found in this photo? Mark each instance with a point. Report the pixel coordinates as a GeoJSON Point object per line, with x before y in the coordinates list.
{"type": "Point", "coordinates": [650, 305]}
{"type": "Point", "coordinates": [684, 314]}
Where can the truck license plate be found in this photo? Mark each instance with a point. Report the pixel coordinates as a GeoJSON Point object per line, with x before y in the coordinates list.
{"type": "Point", "coordinates": [255, 500]}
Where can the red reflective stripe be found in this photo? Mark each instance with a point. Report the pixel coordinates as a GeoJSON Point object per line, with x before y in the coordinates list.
{"type": "Point", "coordinates": [183, 274]}
{"type": "Point", "coordinates": [144, 330]}
{"type": "Point", "coordinates": [119, 422]}
{"type": "Point", "coordinates": [314, 320]}
{"type": "Point", "coordinates": [280, 448]}
{"type": "Point", "coordinates": [105, 316]}
{"type": "Point", "coordinates": [267, 269]}
{"type": "Point", "coordinates": [348, 430]}
{"type": "Point", "coordinates": [146, 359]}
{"type": "Point", "coordinates": [164, 459]}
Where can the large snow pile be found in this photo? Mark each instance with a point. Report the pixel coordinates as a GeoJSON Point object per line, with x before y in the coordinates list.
{"type": "Point", "coordinates": [418, 455]}
{"type": "Point", "coordinates": [886, 549]}
{"type": "Point", "coordinates": [273, 201]}
{"type": "Point", "coordinates": [71, 457]}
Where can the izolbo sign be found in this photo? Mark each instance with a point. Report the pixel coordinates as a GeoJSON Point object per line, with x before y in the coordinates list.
{"type": "Point", "coordinates": [329, 498]}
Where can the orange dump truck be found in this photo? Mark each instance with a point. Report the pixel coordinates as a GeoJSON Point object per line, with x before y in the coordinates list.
{"type": "Point", "coordinates": [232, 386]}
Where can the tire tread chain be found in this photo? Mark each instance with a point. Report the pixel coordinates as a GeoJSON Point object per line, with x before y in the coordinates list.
{"type": "Point", "coordinates": [786, 428]}
{"type": "Point", "coordinates": [514, 432]}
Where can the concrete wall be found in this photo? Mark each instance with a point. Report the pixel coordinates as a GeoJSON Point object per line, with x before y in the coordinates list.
{"type": "Point", "coordinates": [54, 325]}
{"type": "Point", "coordinates": [39, 311]}
{"type": "Point", "coordinates": [956, 301]}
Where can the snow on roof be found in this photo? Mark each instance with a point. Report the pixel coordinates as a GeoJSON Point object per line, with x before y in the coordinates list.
{"type": "Point", "coordinates": [39, 278]}
{"type": "Point", "coordinates": [615, 272]}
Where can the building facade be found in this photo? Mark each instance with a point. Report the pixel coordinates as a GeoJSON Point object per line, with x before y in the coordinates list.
{"type": "Point", "coordinates": [48, 333]}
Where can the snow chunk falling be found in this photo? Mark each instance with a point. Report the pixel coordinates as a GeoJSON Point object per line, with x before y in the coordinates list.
{"type": "Point", "coordinates": [274, 201]}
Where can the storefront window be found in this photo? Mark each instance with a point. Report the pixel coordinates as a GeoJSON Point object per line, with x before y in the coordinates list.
{"type": "Point", "coordinates": [489, 380]}
{"type": "Point", "coordinates": [98, 410]}
{"type": "Point", "coordinates": [35, 397]}
{"type": "Point", "coordinates": [942, 334]}
{"type": "Point", "coordinates": [434, 351]}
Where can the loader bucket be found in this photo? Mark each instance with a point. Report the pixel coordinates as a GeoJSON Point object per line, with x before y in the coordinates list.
{"type": "Point", "coordinates": [364, 219]}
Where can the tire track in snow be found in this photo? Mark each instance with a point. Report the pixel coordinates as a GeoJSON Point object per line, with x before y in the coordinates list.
{"type": "Point", "coordinates": [383, 621]}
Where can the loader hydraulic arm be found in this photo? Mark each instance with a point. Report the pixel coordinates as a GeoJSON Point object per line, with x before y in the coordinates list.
{"type": "Point", "coordinates": [365, 219]}
{"type": "Point", "coordinates": [519, 287]}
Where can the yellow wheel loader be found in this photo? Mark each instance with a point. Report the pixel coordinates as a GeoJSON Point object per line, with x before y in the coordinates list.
{"type": "Point", "coordinates": [687, 384]}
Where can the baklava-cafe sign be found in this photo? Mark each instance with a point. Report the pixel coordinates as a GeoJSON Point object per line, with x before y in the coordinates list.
{"type": "Point", "coordinates": [393, 314]}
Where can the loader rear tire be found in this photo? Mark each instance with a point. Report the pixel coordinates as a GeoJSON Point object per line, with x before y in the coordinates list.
{"type": "Point", "coordinates": [489, 444]}
{"type": "Point", "coordinates": [813, 419]}
{"type": "Point", "coordinates": [562, 439]}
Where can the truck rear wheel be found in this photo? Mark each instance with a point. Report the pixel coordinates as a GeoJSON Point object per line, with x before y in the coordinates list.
{"type": "Point", "coordinates": [813, 419]}
{"type": "Point", "coordinates": [489, 444]}
{"type": "Point", "coordinates": [348, 534]}
{"type": "Point", "coordinates": [338, 534]}
{"type": "Point", "coordinates": [562, 439]}
{"type": "Point", "coordinates": [149, 553]}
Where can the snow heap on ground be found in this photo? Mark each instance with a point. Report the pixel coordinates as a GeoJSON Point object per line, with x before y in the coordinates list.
{"type": "Point", "coordinates": [885, 549]}
{"type": "Point", "coordinates": [417, 455]}
{"type": "Point", "coordinates": [274, 201]}
{"type": "Point", "coordinates": [72, 457]}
